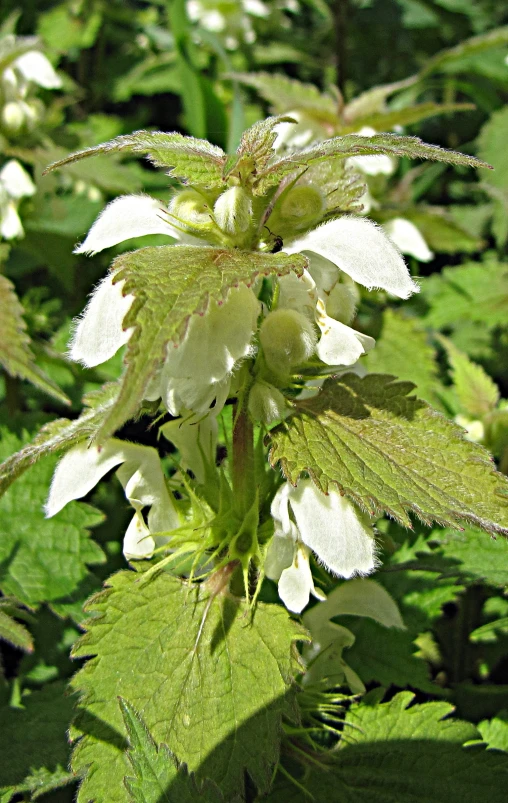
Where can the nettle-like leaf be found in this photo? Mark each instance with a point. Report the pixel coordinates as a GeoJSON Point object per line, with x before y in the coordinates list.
{"type": "Point", "coordinates": [474, 292]}
{"type": "Point", "coordinates": [191, 160]}
{"type": "Point", "coordinates": [389, 119]}
{"type": "Point", "coordinates": [357, 145]}
{"type": "Point", "coordinates": [255, 149]}
{"type": "Point", "coordinates": [403, 349]}
{"type": "Point", "coordinates": [60, 435]}
{"type": "Point", "coordinates": [477, 393]}
{"type": "Point", "coordinates": [15, 353]}
{"type": "Point", "coordinates": [449, 59]}
{"type": "Point", "coordinates": [211, 680]}
{"type": "Point", "coordinates": [285, 93]}
{"type": "Point", "coordinates": [10, 629]}
{"type": "Point", "coordinates": [391, 452]}
{"type": "Point", "coordinates": [392, 753]}
{"type": "Point", "coordinates": [490, 141]}
{"type": "Point", "coordinates": [34, 745]}
{"type": "Point", "coordinates": [43, 559]}
{"type": "Point", "coordinates": [470, 556]}
{"type": "Point", "coordinates": [171, 283]}
{"type": "Point", "coordinates": [158, 777]}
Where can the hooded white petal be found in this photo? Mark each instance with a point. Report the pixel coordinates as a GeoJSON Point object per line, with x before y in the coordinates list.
{"type": "Point", "coordinates": [34, 66]}
{"type": "Point", "coordinates": [195, 440]}
{"type": "Point", "coordinates": [79, 471]}
{"type": "Point", "coordinates": [279, 555]}
{"type": "Point", "coordinates": [16, 180]}
{"type": "Point", "coordinates": [408, 239]}
{"type": "Point", "coordinates": [337, 531]}
{"type": "Point", "coordinates": [298, 293]}
{"type": "Point", "coordinates": [359, 248]}
{"type": "Point", "coordinates": [339, 344]}
{"type": "Point", "coordinates": [137, 541]}
{"type": "Point", "coordinates": [10, 221]}
{"type": "Point", "coordinates": [125, 217]}
{"type": "Point", "coordinates": [197, 372]}
{"type": "Point", "coordinates": [100, 333]}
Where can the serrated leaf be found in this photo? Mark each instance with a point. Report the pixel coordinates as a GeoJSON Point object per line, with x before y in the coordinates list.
{"type": "Point", "coordinates": [491, 141]}
{"type": "Point", "coordinates": [171, 283]}
{"type": "Point", "coordinates": [473, 45]}
{"type": "Point", "coordinates": [477, 393]}
{"type": "Point", "coordinates": [394, 754]}
{"type": "Point", "coordinates": [212, 683]}
{"type": "Point", "coordinates": [33, 742]}
{"type": "Point", "coordinates": [402, 349]}
{"type": "Point", "coordinates": [471, 556]}
{"type": "Point", "coordinates": [60, 435]}
{"type": "Point", "coordinates": [391, 452]}
{"type": "Point", "coordinates": [15, 352]}
{"type": "Point", "coordinates": [285, 94]}
{"type": "Point", "coordinates": [255, 149]}
{"type": "Point", "coordinates": [43, 559]}
{"type": "Point", "coordinates": [159, 778]}
{"type": "Point", "coordinates": [495, 732]}
{"type": "Point", "coordinates": [389, 119]}
{"type": "Point", "coordinates": [358, 145]}
{"type": "Point", "coordinates": [476, 291]}
{"type": "Point", "coordinates": [14, 632]}
{"type": "Point", "coordinates": [189, 159]}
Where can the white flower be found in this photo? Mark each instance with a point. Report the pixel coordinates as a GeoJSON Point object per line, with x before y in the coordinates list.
{"type": "Point", "coordinates": [408, 239]}
{"type": "Point", "coordinates": [141, 475]}
{"type": "Point", "coordinates": [475, 430]}
{"type": "Point", "coordinates": [16, 81]}
{"type": "Point", "coordinates": [15, 184]}
{"type": "Point", "coordinates": [338, 533]}
{"type": "Point", "coordinates": [196, 440]}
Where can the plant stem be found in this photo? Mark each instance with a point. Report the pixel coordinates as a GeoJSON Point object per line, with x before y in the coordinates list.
{"type": "Point", "coordinates": [244, 474]}
{"type": "Point", "coordinates": [340, 14]}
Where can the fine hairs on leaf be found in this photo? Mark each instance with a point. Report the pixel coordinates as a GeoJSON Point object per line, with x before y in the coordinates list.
{"type": "Point", "coordinates": [391, 452]}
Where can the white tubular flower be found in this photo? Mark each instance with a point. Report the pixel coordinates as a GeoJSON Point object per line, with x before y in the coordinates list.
{"type": "Point", "coordinates": [196, 440]}
{"type": "Point", "coordinates": [376, 164]}
{"type": "Point", "coordinates": [30, 68]}
{"type": "Point", "coordinates": [338, 533]}
{"type": "Point", "coordinates": [297, 135]}
{"type": "Point", "coordinates": [35, 67]}
{"type": "Point", "coordinates": [141, 475]}
{"type": "Point", "coordinates": [15, 184]}
{"type": "Point", "coordinates": [408, 239]}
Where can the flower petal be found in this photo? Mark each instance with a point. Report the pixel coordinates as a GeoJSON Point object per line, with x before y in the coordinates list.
{"type": "Point", "coordinates": [137, 541]}
{"type": "Point", "coordinates": [337, 531]}
{"type": "Point", "coordinates": [125, 217]}
{"type": "Point", "coordinates": [196, 441]}
{"type": "Point", "coordinates": [359, 248]}
{"type": "Point", "coordinates": [16, 180]}
{"type": "Point", "coordinates": [408, 239]}
{"type": "Point", "coordinates": [298, 293]}
{"type": "Point", "coordinates": [295, 584]}
{"type": "Point", "coordinates": [79, 471]}
{"type": "Point", "coordinates": [100, 333]}
{"type": "Point", "coordinates": [279, 555]}
{"type": "Point", "coordinates": [34, 66]}
{"type": "Point", "coordinates": [10, 221]}
{"type": "Point", "coordinates": [339, 344]}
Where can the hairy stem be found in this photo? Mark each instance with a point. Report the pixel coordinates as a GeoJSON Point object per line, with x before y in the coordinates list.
{"type": "Point", "coordinates": [244, 475]}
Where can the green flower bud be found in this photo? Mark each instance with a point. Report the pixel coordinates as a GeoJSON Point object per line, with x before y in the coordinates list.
{"type": "Point", "coordinates": [287, 338]}
{"type": "Point", "coordinates": [302, 206]}
{"type": "Point", "coordinates": [233, 211]}
{"type": "Point", "coordinates": [190, 207]}
{"type": "Point", "coordinates": [266, 403]}
{"type": "Point", "coordinates": [13, 117]}
{"type": "Point", "coordinates": [343, 300]}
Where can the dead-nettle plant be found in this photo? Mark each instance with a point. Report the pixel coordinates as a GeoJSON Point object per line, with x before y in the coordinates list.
{"type": "Point", "coordinates": [241, 331]}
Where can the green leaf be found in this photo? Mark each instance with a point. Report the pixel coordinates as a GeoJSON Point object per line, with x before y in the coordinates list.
{"type": "Point", "coordinates": [285, 94]}
{"type": "Point", "coordinates": [171, 283]}
{"type": "Point", "coordinates": [491, 141]}
{"type": "Point", "coordinates": [60, 435]}
{"type": "Point", "coordinates": [11, 630]}
{"type": "Point", "coordinates": [387, 120]}
{"type": "Point", "coordinates": [212, 681]}
{"type": "Point", "coordinates": [402, 349]}
{"type": "Point", "coordinates": [391, 452]}
{"type": "Point", "coordinates": [476, 44]}
{"type": "Point", "coordinates": [394, 754]}
{"type": "Point", "coordinates": [43, 559]}
{"type": "Point", "coordinates": [474, 292]}
{"type": "Point", "coordinates": [255, 149]}
{"type": "Point", "coordinates": [189, 159]}
{"type": "Point", "coordinates": [357, 145]}
{"type": "Point", "coordinates": [33, 742]}
{"type": "Point", "coordinates": [471, 556]}
{"type": "Point", "coordinates": [476, 391]}
{"type": "Point", "coordinates": [15, 352]}
{"type": "Point", "coordinates": [495, 732]}
{"type": "Point", "coordinates": [441, 232]}
{"type": "Point", "coordinates": [489, 632]}
{"type": "Point", "coordinates": [158, 779]}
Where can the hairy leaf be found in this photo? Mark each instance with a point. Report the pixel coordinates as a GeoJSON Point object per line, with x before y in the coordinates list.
{"type": "Point", "coordinates": [189, 159]}
{"type": "Point", "coordinates": [255, 149]}
{"type": "Point", "coordinates": [211, 681]}
{"type": "Point", "coordinates": [285, 94]}
{"type": "Point", "coordinates": [391, 452]}
{"type": "Point", "coordinates": [476, 391]}
{"type": "Point", "coordinates": [391, 753]}
{"type": "Point", "coordinates": [476, 44]}
{"type": "Point", "coordinates": [171, 283]}
{"type": "Point", "coordinates": [43, 559]}
{"type": "Point", "coordinates": [402, 349]}
{"type": "Point", "coordinates": [33, 742]}
{"type": "Point", "coordinates": [387, 120]}
{"type": "Point", "coordinates": [15, 352]}
{"type": "Point", "coordinates": [357, 145]}
{"type": "Point", "coordinates": [158, 778]}
{"type": "Point", "coordinates": [11, 630]}
{"type": "Point", "coordinates": [476, 291]}
{"type": "Point", "coordinates": [60, 435]}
